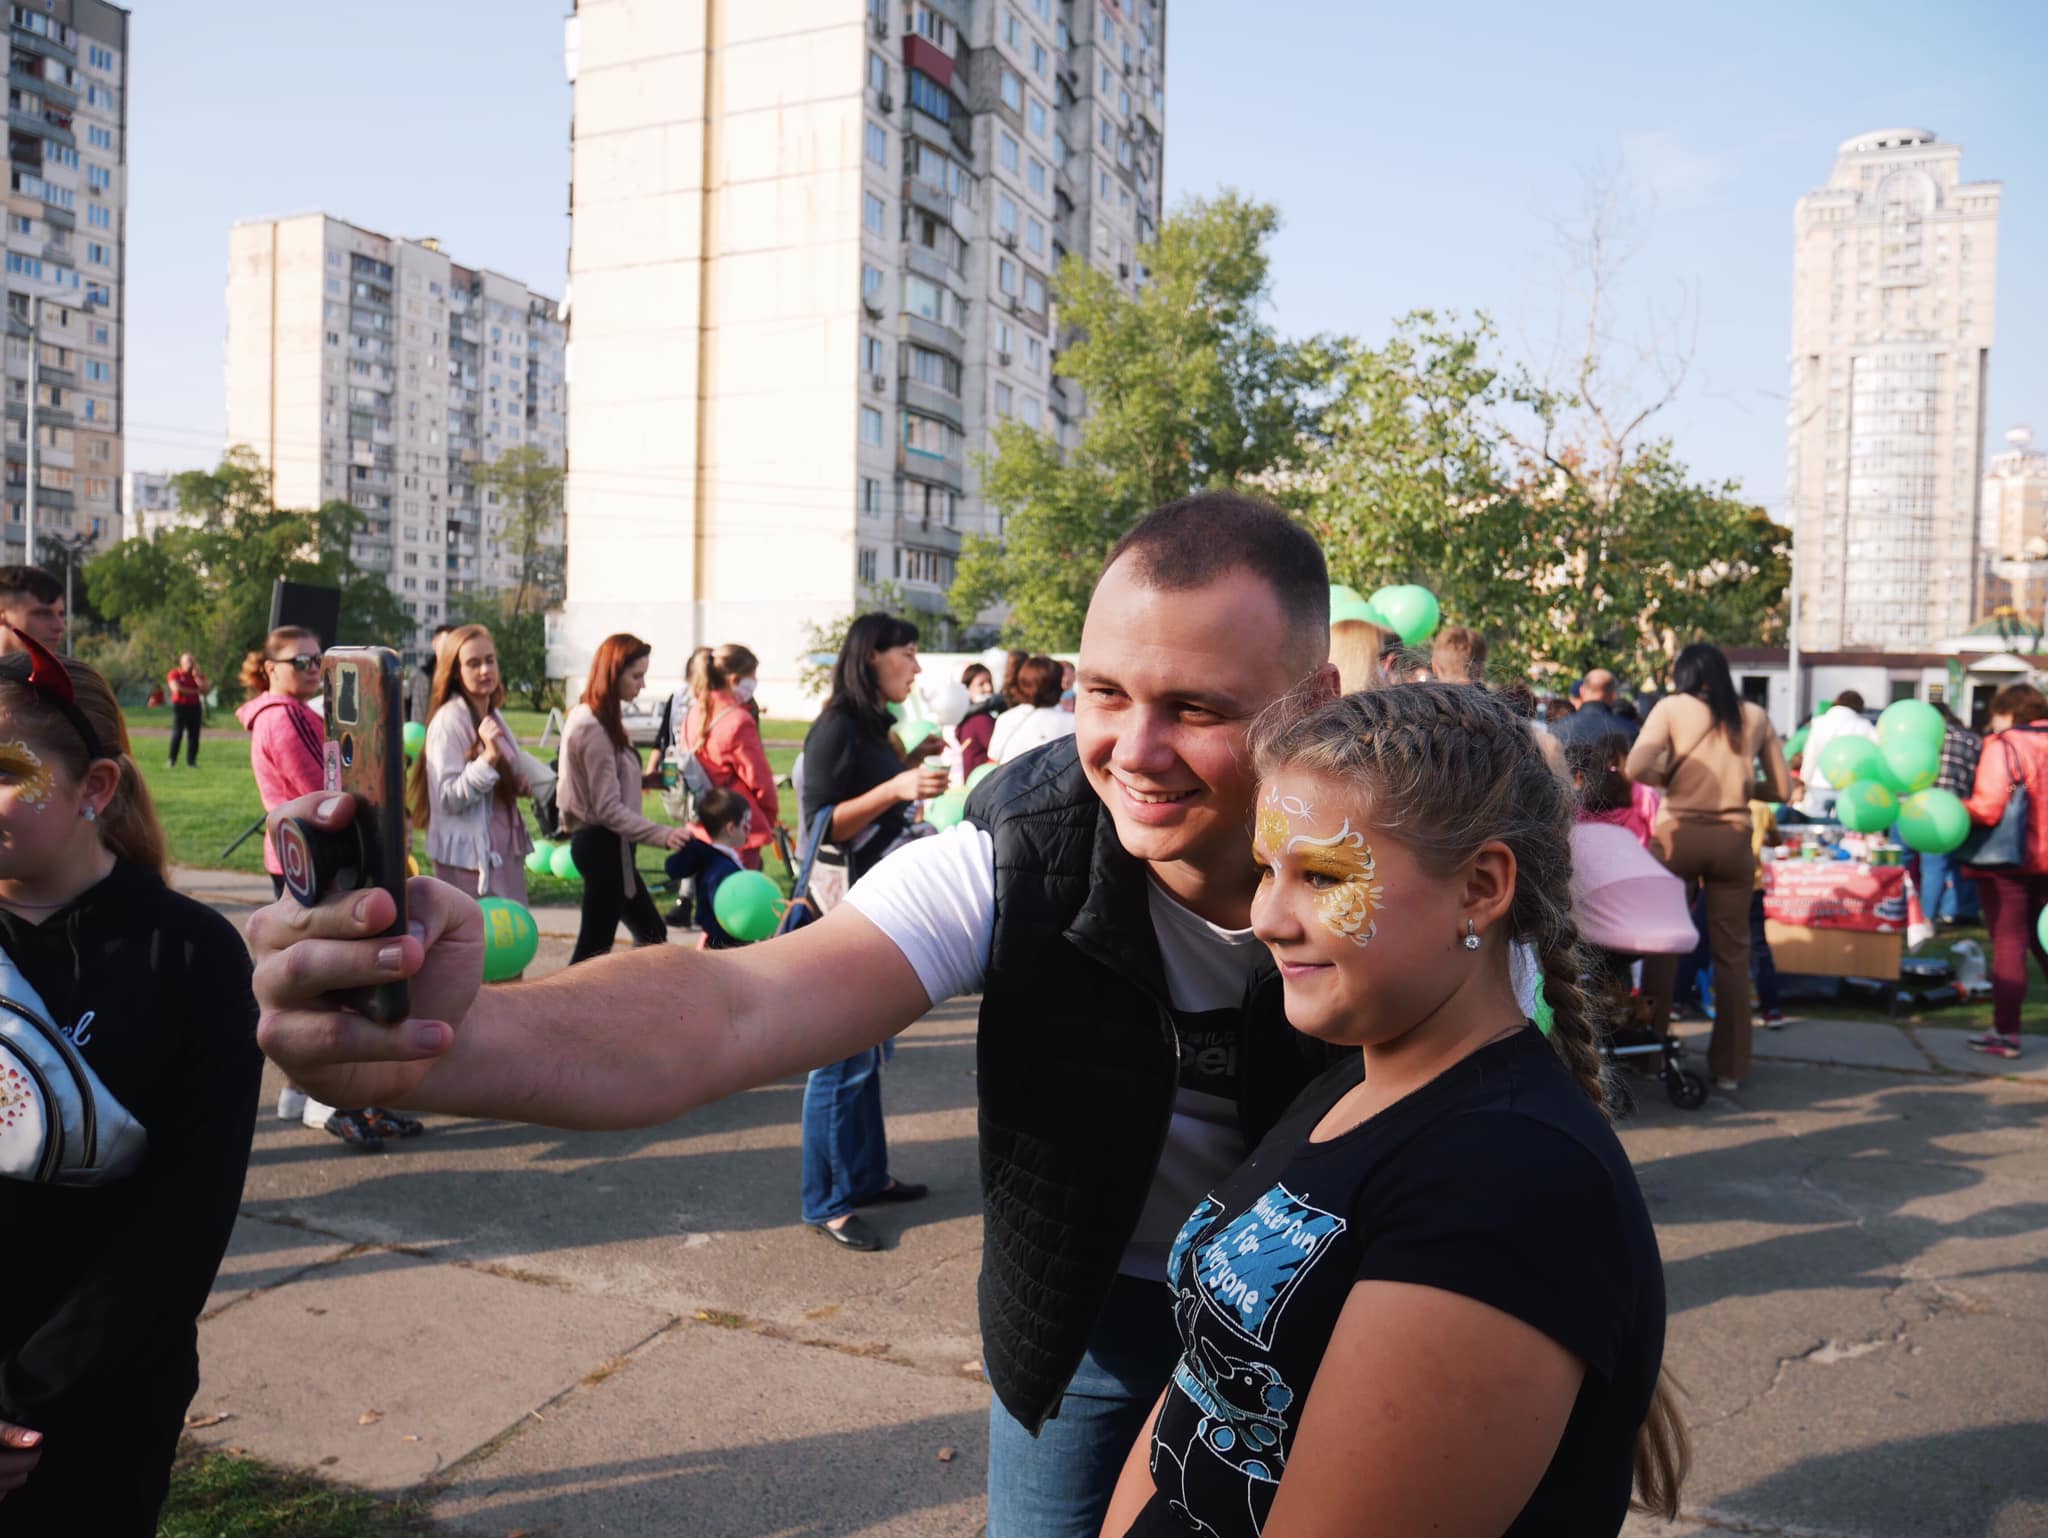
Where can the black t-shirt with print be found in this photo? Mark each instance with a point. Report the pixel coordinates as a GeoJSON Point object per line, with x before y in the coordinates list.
{"type": "Point", "coordinates": [1498, 1181]}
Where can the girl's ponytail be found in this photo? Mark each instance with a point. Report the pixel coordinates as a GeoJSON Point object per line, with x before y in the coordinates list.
{"type": "Point", "coordinates": [253, 678]}
{"type": "Point", "coordinates": [129, 825]}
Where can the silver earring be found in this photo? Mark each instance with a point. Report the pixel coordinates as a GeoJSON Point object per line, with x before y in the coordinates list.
{"type": "Point", "coordinates": [89, 814]}
{"type": "Point", "coordinates": [1471, 937]}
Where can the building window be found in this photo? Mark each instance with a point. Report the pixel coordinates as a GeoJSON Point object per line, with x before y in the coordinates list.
{"type": "Point", "coordinates": [1034, 176]}
{"type": "Point", "coordinates": [878, 73]}
{"type": "Point", "coordinates": [873, 356]}
{"type": "Point", "coordinates": [1005, 337]}
{"type": "Point", "coordinates": [99, 138]}
{"type": "Point", "coordinates": [1030, 411]}
{"type": "Point", "coordinates": [1034, 237]}
{"type": "Point", "coordinates": [1006, 215]}
{"type": "Point", "coordinates": [871, 426]}
{"type": "Point", "coordinates": [1012, 90]}
{"type": "Point", "coordinates": [878, 145]}
{"type": "Point", "coordinates": [1002, 400]}
{"type": "Point", "coordinates": [1040, 60]}
{"type": "Point", "coordinates": [1008, 151]}
{"type": "Point", "coordinates": [933, 368]}
{"type": "Point", "coordinates": [871, 283]}
{"type": "Point", "coordinates": [1013, 30]}
{"type": "Point", "coordinates": [929, 97]}
{"type": "Point", "coordinates": [99, 216]}
{"type": "Point", "coordinates": [99, 96]}
{"type": "Point", "coordinates": [871, 496]}
{"type": "Point", "coordinates": [929, 435]}
{"type": "Point", "coordinates": [64, 155]}
{"type": "Point", "coordinates": [871, 214]}
{"type": "Point", "coordinates": [1036, 118]}
{"type": "Point", "coordinates": [1006, 275]}
{"type": "Point", "coordinates": [95, 252]}
{"type": "Point", "coordinates": [865, 566]}
{"type": "Point", "coordinates": [99, 178]}
{"type": "Point", "coordinates": [1034, 293]}
{"type": "Point", "coordinates": [1034, 354]}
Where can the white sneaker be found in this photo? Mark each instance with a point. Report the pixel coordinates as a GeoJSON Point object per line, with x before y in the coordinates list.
{"type": "Point", "coordinates": [315, 1115]}
{"type": "Point", "coordinates": [1728, 1085]}
{"type": "Point", "coordinates": [291, 1104]}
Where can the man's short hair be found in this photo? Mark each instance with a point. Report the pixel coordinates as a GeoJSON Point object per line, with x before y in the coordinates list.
{"type": "Point", "coordinates": [1459, 655]}
{"type": "Point", "coordinates": [32, 580]}
{"type": "Point", "coordinates": [439, 631]}
{"type": "Point", "coordinates": [1852, 699]}
{"type": "Point", "coordinates": [1203, 538]}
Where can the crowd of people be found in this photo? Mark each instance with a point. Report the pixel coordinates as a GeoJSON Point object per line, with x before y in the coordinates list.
{"type": "Point", "coordinates": [1285, 1191]}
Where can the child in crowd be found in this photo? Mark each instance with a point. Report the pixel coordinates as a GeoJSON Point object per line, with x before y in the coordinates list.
{"type": "Point", "coordinates": [1442, 1238]}
{"type": "Point", "coordinates": [724, 820]}
{"type": "Point", "coordinates": [129, 1013]}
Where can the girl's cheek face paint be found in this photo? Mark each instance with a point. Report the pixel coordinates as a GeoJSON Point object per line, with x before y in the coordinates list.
{"type": "Point", "coordinates": [1350, 905]}
{"type": "Point", "coordinates": [33, 781]}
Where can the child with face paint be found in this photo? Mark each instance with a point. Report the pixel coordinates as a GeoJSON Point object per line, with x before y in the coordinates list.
{"type": "Point", "coordinates": [128, 1082]}
{"type": "Point", "coordinates": [1441, 1245]}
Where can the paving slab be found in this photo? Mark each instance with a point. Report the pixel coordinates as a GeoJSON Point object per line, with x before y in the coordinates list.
{"type": "Point", "coordinates": [1951, 1050]}
{"type": "Point", "coordinates": [440, 1359]}
{"type": "Point", "coordinates": [721, 1433]}
{"type": "Point", "coordinates": [262, 1255]}
{"type": "Point", "coordinates": [1847, 1043]}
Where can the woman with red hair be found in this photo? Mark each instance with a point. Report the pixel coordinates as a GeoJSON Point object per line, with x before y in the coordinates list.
{"type": "Point", "coordinates": [598, 794]}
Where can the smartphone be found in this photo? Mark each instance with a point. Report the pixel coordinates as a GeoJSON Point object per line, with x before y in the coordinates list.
{"type": "Point", "coordinates": [365, 756]}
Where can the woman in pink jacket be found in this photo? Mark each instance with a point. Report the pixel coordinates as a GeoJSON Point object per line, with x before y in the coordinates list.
{"type": "Point", "coordinates": [286, 736]}
{"type": "Point", "coordinates": [2013, 898]}
{"type": "Point", "coordinates": [721, 730]}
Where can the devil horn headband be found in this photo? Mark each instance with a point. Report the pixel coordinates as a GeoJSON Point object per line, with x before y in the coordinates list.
{"type": "Point", "coordinates": [48, 680]}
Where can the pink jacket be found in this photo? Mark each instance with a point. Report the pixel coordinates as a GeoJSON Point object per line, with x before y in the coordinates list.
{"type": "Point", "coordinates": [285, 739]}
{"type": "Point", "coordinates": [2026, 748]}
{"type": "Point", "coordinates": [733, 756]}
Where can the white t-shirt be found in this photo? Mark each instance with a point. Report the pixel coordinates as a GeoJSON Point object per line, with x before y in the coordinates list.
{"type": "Point", "coordinates": [1024, 727]}
{"type": "Point", "coordinates": [936, 899]}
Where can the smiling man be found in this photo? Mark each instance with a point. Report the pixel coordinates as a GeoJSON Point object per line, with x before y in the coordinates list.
{"type": "Point", "coordinates": [1132, 1039]}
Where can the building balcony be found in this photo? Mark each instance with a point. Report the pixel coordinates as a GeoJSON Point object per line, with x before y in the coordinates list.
{"type": "Point", "coordinates": [932, 200]}
{"type": "Point", "coordinates": [52, 374]}
{"type": "Point", "coordinates": [931, 333]}
{"type": "Point", "coordinates": [933, 401]}
{"type": "Point", "coordinates": [52, 91]}
{"type": "Point", "coordinates": [49, 48]}
{"type": "Point", "coordinates": [921, 533]}
{"type": "Point", "coordinates": [935, 469]}
{"type": "Point", "coordinates": [929, 264]}
{"type": "Point", "coordinates": [35, 123]}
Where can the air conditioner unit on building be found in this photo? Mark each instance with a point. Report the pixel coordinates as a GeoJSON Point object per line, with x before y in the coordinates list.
{"type": "Point", "coordinates": [1123, 269]}
{"type": "Point", "coordinates": [887, 102]}
{"type": "Point", "coordinates": [1016, 305]}
{"type": "Point", "coordinates": [879, 384]}
{"type": "Point", "coordinates": [1009, 242]}
{"type": "Point", "coordinates": [1004, 359]}
{"type": "Point", "coordinates": [881, 27]}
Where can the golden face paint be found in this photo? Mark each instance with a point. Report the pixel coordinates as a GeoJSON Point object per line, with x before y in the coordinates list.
{"type": "Point", "coordinates": [1350, 905]}
{"type": "Point", "coordinates": [32, 777]}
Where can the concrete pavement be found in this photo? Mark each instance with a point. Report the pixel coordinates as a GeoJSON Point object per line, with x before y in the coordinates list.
{"type": "Point", "coordinates": [578, 1333]}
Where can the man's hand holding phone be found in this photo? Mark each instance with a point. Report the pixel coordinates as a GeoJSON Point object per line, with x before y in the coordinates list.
{"type": "Point", "coordinates": [20, 1451]}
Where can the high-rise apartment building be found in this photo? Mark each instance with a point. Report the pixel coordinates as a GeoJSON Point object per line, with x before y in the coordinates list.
{"type": "Point", "coordinates": [149, 504]}
{"type": "Point", "coordinates": [2014, 532]}
{"type": "Point", "coordinates": [378, 371]}
{"type": "Point", "coordinates": [1894, 270]}
{"type": "Point", "coordinates": [67, 206]}
{"type": "Point", "coordinates": [811, 268]}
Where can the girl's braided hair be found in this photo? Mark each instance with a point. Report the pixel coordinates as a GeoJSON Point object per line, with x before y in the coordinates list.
{"type": "Point", "coordinates": [1446, 768]}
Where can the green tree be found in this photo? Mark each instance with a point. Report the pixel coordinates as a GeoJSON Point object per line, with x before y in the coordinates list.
{"type": "Point", "coordinates": [1187, 386]}
{"type": "Point", "coordinates": [822, 642]}
{"type": "Point", "coordinates": [522, 643]}
{"type": "Point", "coordinates": [205, 588]}
{"type": "Point", "coordinates": [529, 492]}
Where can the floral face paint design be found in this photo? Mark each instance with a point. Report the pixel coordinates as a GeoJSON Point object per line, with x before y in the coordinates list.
{"type": "Point", "coordinates": [32, 777]}
{"type": "Point", "coordinates": [1350, 904]}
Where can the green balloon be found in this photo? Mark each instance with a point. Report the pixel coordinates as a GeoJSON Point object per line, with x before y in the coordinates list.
{"type": "Point", "coordinates": [537, 860]}
{"type": "Point", "coordinates": [948, 810]}
{"type": "Point", "coordinates": [1908, 764]}
{"type": "Point", "coordinates": [1823, 707]}
{"type": "Point", "coordinates": [912, 734]}
{"type": "Point", "coordinates": [2041, 928]}
{"type": "Point", "coordinates": [1847, 760]}
{"type": "Point", "coordinates": [1867, 807]}
{"type": "Point", "coordinates": [979, 775]}
{"type": "Point", "coordinates": [1346, 604]}
{"type": "Point", "coordinates": [1411, 612]}
{"type": "Point", "coordinates": [510, 938]}
{"type": "Point", "coordinates": [1933, 822]}
{"type": "Point", "coordinates": [1796, 743]}
{"type": "Point", "coordinates": [1911, 721]}
{"type": "Point", "coordinates": [563, 863]}
{"type": "Point", "coordinates": [747, 906]}
{"type": "Point", "coordinates": [415, 738]}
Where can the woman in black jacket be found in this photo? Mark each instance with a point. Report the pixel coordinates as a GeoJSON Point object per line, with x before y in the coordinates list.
{"type": "Point", "coordinates": [128, 1082]}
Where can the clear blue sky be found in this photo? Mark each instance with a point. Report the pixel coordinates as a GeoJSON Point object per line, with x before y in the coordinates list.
{"type": "Point", "coordinates": [1419, 156]}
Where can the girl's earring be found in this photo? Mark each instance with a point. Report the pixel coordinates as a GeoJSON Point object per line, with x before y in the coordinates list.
{"type": "Point", "coordinates": [89, 813]}
{"type": "Point", "coordinates": [1471, 937]}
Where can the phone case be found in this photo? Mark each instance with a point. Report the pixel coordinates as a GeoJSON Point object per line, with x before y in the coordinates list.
{"type": "Point", "coordinates": [365, 756]}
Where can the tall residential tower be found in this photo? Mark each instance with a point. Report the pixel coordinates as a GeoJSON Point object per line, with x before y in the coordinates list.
{"type": "Point", "coordinates": [811, 266]}
{"type": "Point", "coordinates": [1893, 281]}
{"type": "Point", "coordinates": [378, 371]}
{"type": "Point", "coordinates": [67, 220]}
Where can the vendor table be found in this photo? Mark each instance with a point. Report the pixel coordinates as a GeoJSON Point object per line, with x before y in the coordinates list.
{"type": "Point", "coordinates": [1835, 918]}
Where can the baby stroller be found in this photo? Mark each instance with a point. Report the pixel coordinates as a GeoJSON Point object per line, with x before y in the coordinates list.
{"type": "Point", "coordinates": [1629, 907]}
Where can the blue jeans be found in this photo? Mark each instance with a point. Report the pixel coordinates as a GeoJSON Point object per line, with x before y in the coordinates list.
{"type": "Point", "coordinates": [1058, 1483]}
{"type": "Point", "coordinates": [1945, 892]}
{"type": "Point", "coordinates": [846, 1152]}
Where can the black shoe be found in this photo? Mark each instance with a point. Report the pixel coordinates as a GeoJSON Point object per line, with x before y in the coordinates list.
{"type": "Point", "coordinates": [354, 1129]}
{"type": "Point", "coordinates": [390, 1123]}
{"type": "Point", "coordinates": [896, 1191]}
{"type": "Point", "coordinates": [678, 917]}
{"type": "Point", "coordinates": [853, 1234]}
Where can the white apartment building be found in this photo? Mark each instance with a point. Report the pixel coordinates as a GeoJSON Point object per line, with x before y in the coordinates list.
{"type": "Point", "coordinates": [811, 261]}
{"type": "Point", "coordinates": [2014, 532]}
{"type": "Point", "coordinates": [149, 504]}
{"type": "Point", "coordinates": [1894, 270]}
{"type": "Point", "coordinates": [376, 370]}
{"type": "Point", "coordinates": [67, 205]}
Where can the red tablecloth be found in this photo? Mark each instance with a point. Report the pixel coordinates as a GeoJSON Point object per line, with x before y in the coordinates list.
{"type": "Point", "coordinates": [1836, 894]}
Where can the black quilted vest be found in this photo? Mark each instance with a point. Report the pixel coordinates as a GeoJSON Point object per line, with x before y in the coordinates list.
{"type": "Point", "coordinates": [1078, 1069]}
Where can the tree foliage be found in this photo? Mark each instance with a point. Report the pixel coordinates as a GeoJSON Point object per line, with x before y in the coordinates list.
{"type": "Point", "coordinates": [1575, 542]}
{"type": "Point", "coordinates": [205, 587]}
{"type": "Point", "coordinates": [529, 492]}
{"type": "Point", "coordinates": [822, 642]}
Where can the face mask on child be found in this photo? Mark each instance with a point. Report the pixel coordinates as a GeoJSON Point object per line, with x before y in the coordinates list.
{"type": "Point", "coordinates": [743, 691]}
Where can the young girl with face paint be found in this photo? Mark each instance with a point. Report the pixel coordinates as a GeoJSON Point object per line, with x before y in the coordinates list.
{"type": "Point", "coordinates": [1433, 1294]}
{"type": "Point", "coordinates": [130, 1002]}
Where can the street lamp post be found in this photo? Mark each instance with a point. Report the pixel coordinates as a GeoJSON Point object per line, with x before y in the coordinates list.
{"type": "Point", "coordinates": [35, 359]}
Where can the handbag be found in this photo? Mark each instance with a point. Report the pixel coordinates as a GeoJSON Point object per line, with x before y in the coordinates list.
{"type": "Point", "coordinates": [2001, 845]}
{"type": "Point", "coordinates": [59, 1124]}
{"type": "Point", "coordinates": [801, 909]}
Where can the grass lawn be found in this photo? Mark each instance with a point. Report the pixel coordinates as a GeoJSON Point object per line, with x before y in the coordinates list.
{"type": "Point", "coordinates": [216, 1495]}
{"type": "Point", "coordinates": [1967, 1014]}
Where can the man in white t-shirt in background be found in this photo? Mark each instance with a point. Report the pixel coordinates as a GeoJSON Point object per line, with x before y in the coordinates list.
{"type": "Point", "coordinates": [1132, 1041]}
{"type": "Point", "coordinates": [1844, 718]}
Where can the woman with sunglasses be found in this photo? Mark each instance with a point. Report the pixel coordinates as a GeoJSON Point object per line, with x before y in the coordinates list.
{"type": "Point", "coordinates": [286, 733]}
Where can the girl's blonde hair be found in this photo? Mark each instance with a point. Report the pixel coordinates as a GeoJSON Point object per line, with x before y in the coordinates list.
{"type": "Point", "coordinates": [129, 824]}
{"type": "Point", "coordinates": [255, 677]}
{"type": "Point", "coordinates": [1355, 650]}
{"type": "Point", "coordinates": [713, 668]}
{"type": "Point", "coordinates": [1447, 768]}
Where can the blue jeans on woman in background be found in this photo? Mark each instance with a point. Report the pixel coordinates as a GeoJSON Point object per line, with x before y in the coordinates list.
{"type": "Point", "coordinates": [1945, 892]}
{"type": "Point", "coordinates": [846, 1152]}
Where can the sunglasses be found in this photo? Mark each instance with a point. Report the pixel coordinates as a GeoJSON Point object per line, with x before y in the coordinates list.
{"type": "Point", "coordinates": [304, 663]}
